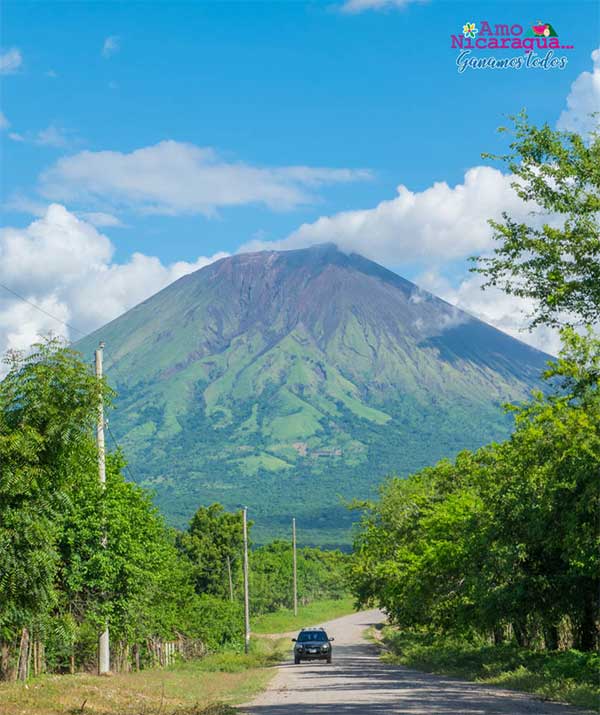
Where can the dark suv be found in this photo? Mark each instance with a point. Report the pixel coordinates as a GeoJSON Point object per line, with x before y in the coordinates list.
{"type": "Point", "coordinates": [312, 644]}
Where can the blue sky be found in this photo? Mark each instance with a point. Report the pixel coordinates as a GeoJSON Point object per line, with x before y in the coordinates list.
{"type": "Point", "coordinates": [287, 111]}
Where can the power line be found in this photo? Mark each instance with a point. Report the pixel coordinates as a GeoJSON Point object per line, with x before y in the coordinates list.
{"type": "Point", "coordinates": [45, 312]}
{"type": "Point", "coordinates": [112, 360]}
{"type": "Point", "coordinates": [54, 317]}
{"type": "Point", "coordinates": [118, 446]}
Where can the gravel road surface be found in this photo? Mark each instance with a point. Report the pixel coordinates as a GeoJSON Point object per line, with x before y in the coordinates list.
{"type": "Point", "coordinates": [358, 683]}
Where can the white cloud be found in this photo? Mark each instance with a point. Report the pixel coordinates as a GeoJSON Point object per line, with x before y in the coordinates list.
{"type": "Point", "coordinates": [100, 219]}
{"type": "Point", "coordinates": [65, 266]}
{"type": "Point", "coordinates": [4, 123]}
{"type": "Point", "coordinates": [356, 6]}
{"type": "Point", "coordinates": [173, 178]}
{"type": "Point", "coordinates": [438, 224]}
{"type": "Point", "coordinates": [52, 251]}
{"type": "Point", "coordinates": [24, 204]}
{"type": "Point", "coordinates": [583, 100]}
{"type": "Point", "coordinates": [21, 324]}
{"type": "Point", "coordinates": [111, 46]}
{"type": "Point", "coordinates": [508, 313]}
{"type": "Point", "coordinates": [10, 61]}
{"type": "Point", "coordinates": [51, 136]}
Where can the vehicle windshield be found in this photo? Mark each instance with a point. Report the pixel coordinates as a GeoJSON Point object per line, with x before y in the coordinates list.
{"type": "Point", "coordinates": [312, 636]}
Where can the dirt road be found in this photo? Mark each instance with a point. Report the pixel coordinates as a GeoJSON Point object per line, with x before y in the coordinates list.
{"type": "Point", "coordinates": [358, 683]}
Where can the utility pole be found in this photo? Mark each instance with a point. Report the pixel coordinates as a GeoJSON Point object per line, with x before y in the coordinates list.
{"type": "Point", "coordinates": [104, 640]}
{"type": "Point", "coordinates": [295, 567]}
{"type": "Point", "coordinates": [246, 596]}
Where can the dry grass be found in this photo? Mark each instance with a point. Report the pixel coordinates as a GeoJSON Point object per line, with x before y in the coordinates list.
{"type": "Point", "coordinates": [205, 687]}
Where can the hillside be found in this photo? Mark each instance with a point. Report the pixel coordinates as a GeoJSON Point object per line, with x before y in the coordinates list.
{"type": "Point", "coordinates": [284, 380]}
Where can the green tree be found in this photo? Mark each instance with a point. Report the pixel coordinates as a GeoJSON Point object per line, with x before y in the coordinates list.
{"type": "Point", "coordinates": [213, 544]}
{"type": "Point", "coordinates": [556, 258]}
{"type": "Point", "coordinates": [139, 583]}
{"type": "Point", "coordinates": [48, 404]}
{"type": "Point", "coordinates": [321, 575]}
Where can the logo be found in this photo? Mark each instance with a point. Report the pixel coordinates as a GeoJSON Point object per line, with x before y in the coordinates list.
{"type": "Point", "coordinates": [542, 29]}
{"type": "Point", "coordinates": [537, 44]}
{"type": "Point", "coordinates": [470, 30]}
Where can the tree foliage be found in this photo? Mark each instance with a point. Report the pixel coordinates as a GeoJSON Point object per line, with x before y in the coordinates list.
{"type": "Point", "coordinates": [213, 545]}
{"type": "Point", "coordinates": [502, 540]}
{"type": "Point", "coordinates": [553, 258]}
{"type": "Point", "coordinates": [321, 575]}
{"type": "Point", "coordinates": [48, 403]}
{"type": "Point", "coordinates": [75, 555]}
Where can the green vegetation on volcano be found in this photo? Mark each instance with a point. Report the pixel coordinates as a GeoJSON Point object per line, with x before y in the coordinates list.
{"type": "Point", "coordinates": [293, 380]}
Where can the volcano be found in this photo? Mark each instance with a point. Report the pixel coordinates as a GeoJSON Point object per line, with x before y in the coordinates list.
{"type": "Point", "coordinates": [290, 381]}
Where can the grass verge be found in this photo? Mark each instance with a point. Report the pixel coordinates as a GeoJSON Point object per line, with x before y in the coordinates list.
{"type": "Point", "coordinates": [568, 676]}
{"type": "Point", "coordinates": [315, 613]}
{"type": "Point", "coordinates": [210, 686]}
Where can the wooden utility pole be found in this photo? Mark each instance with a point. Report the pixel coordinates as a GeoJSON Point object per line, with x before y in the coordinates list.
{"type": "Point", "coordinates": [246, 595]}
{"type": "Point", "coordinates": [295, 567]}
{"type": "Point", "coordinates": [104, 640]}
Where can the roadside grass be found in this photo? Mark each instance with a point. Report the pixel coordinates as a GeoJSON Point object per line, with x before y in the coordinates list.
{"type": "Point", "coordinates": [284, 621]}
{"type": "Point", "coordinates": [568, 676]}
{"type": "Point", "coordinates": [210, 686]}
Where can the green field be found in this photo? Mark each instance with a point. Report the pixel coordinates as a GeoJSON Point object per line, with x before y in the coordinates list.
{"type": "Point", "coordinates": [284, 621]}
{"type": "Point", "coordinates": [567, 676]}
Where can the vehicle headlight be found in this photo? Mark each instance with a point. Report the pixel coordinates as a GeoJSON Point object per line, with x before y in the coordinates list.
{"type": "Point", "coordinates": [325, 647]}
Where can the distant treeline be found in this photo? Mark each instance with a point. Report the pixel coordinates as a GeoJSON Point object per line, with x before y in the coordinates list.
{"type": "Point", "coordinates": [160, 591]}
{"type": "Point", "coordinates": [502, 542]}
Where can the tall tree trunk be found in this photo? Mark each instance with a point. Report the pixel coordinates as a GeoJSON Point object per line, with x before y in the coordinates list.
{"type": "Point", "coordinates": [521, 635]}
{"type": "Point", "coordinates": [498, 635]}
{"type": "Point", "coordinates": [23, 665]}
{"type": "Point", "coordinates": [589, 620]}
{"type": "Point", "coordinates": [551, 637]}
{"type": "Point", "coordinates": [230, 579]}
{"type": "Point", "coordinates": [35, 656]}
{"type": "Point", "coordinates": [5, 661]}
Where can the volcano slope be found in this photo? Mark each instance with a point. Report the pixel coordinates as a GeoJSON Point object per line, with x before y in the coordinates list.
{"type": "Point", "coordinates": [291, 380]}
